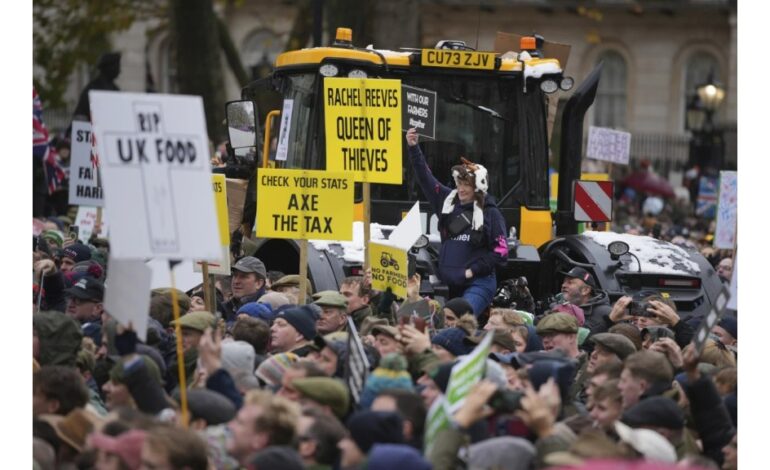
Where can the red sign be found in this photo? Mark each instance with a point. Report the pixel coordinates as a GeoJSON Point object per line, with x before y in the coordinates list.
{"type": "Point", "coordinates": [593, 201]}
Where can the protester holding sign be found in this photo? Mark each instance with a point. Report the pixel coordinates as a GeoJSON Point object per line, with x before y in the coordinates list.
{"type": "Point", "coordinates": [472, 229]}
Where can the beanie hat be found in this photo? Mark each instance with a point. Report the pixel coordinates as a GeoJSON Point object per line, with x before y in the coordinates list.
{"type": "Point", "coordinates": [54, 236]}
{"type": "Point", "coordinates": [302, 319]}
{"type": "Point", "coordinates": [730, 325]}
{"type": "Point", "coordinates": [326, 391]}
{"type": "Point", "coordinates": [389, 456]}
{"type": "Point", "coordinates": [127, 446]}
{"type": "Point", "coordinates": [391, 373]}
{"type": "Point", "coordinates": [655, 411]}
{"type": "Point", "coordinates": [451, 339]}
{"type": "Point", "coordinates": [283, 457]}
{"type": "Point", "coordinates": [274, 300]}
{"type": "Point", "coordinates": [459, 306]}
{"type": "Point", "coordinates": [238, 357]}
{"type": "Point", "coordinates": [375, 427]}
{"type": "Point", "coordinates": [78, 252]}
{"type": "Point", "coordinates": [89, 268]}
{"type": "Point", "coordinates": [271, 369]}
{"type": "Point", "coordinates": [573, 310]}
{"type": "Point", "coordinates": [259, 310]}
{"type": "Point", "coordinates": [440, 375]}
{"type": "Point", "coordinates": [118, 371]}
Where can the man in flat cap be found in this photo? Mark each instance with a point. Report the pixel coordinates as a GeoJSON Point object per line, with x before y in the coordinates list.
{"type": "Point", "coordinates": [608, 348]}
{"type": "Point", "coordinates": [247, 284]}
{"type": "Point", "coordinates": [580, 288]}
{"type": "Point", "coordinates": [559, 331]}
{"type": "Point", "coordinates": [333, 313]}
{"type": "Point", "coordinates": [289, 286]}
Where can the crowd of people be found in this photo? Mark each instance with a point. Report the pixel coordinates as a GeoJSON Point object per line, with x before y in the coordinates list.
{"type": "Point", "coordinates": [267, 376]}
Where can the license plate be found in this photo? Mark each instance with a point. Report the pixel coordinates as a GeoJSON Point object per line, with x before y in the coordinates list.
{"type": "Point", "coordinates": [458, 59]}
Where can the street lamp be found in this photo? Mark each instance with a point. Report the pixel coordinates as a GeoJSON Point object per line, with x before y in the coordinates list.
{"type": "Point", "coordinates": [707, 144]}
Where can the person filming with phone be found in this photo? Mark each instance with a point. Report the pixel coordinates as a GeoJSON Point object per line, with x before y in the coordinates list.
{"type": "Point", "coordinates": [646, 309]}
{"type": "Point", "coordinates": [472, 228]}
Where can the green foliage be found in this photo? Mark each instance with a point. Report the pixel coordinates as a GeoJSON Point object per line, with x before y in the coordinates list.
{"type": "Point", "coordinates": [69, 33]}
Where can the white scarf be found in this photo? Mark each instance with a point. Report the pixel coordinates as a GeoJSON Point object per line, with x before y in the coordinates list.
{"type": "Point", "coordinates": [478, 213]}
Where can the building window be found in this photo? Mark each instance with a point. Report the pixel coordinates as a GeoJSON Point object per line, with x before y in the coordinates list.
{"type": "Point", "coordinates": [610, 105]}
{"type": "Point", "coordinates": [259, 51]}
{"type": "Point", "coordinates": [699, 66]}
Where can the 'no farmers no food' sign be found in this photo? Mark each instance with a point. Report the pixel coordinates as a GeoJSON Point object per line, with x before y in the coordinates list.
{"type": "Point", "coordinates": [153, 152]}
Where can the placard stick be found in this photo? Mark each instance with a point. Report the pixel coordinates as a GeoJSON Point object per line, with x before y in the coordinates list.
{"type": "Point", "coordinates": [179, 350]}
{"type": "Point", "coordinates": [207, 287]}
{"type": "Point", "coordinates": [303, 280]}
{"type": "Point", "coordinates": [367, 223]}
{"type": "Point", "coordinates": [40, 292]}
{"type": "Point", "coordinates": [98, 223]}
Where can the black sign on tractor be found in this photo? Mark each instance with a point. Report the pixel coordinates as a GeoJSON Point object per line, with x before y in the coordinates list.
{"type": "Point", "coordinates": [419, 110]}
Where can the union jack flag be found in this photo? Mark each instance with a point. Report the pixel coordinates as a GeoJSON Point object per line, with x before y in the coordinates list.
{"type": "Point", "coordinates": [54, 173]}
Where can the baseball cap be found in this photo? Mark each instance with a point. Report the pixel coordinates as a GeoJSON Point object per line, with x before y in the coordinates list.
{"type": "Point", "coordinates": [582, 274]}
{"type": "Point", "coordinates": [250, 264]}
{"type": "Point", "coordinates": [87, 288]}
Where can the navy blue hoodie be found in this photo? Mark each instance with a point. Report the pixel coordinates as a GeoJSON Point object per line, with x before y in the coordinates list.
{"type": "Point", "coordinates": [458, 253]}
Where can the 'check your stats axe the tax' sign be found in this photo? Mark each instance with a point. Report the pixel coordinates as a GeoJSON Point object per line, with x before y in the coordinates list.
{"type": "Point", "coordinates": [304, 204]}
{"type": "Point", "coordinates": [363, 128]}
{"type": "Point", "coordinates": [154, 160]}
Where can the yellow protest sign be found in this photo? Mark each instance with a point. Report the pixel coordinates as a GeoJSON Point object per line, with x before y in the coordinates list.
{"type": "Point", "coordinates": [389, 268]}
{"type": "Point", "coordinates": [304, 204]}
{"type": "Point", "coordinates": [363, 128]}
{"type": "Point", "coordinates": [219, 185]}
{"type": "Point", "coordinates": [221, 265]}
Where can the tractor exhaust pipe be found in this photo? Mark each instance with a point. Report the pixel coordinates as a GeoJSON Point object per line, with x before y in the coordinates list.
{"type": "Point", "coordinates": [572, 148]}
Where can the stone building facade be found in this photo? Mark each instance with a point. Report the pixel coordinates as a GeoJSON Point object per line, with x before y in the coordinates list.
{"type": "Point", "coordinates": [654, 53]}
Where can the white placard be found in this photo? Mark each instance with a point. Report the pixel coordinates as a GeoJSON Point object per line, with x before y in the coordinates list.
{"type": "Point", "coordinates": [86, 221]}
{"type": "Point", "coordinates": [408, 230]}
{"type": "Point", "coordinates": [153, 151]}
{"type": "Point", "coordinates": [184, 276]}
{"type": "Point", "coordinates": [84, 187]}
{"type": "Point", "coordinates": [282, 152]}
{"type": "Point", "coordinates": [127, 294]}
{"type": "Point", "coordinates": [608, 145]}
{"type": "Point", "coordinates": [733, 302]}
{"type": "Point", "coordinates": [727, 211]}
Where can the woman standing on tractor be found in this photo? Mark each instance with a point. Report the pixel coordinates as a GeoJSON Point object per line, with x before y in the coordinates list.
{"type": "Point", "coordinates": [472, 228]}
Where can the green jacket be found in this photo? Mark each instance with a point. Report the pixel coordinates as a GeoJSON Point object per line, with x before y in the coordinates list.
{"type": "Point", "coordinates": [448, 444]}
{"type": "Point", "coordinates": [360, 315]}
{"type": "Point", "coordinates": [59, 337]}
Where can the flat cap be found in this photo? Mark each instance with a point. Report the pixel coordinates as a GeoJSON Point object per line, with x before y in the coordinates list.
{"type": "Point", "coordinates": [326, 391]}
{"type": "Point", "coordinates": [198, 320]}
{"type": "Point", "coordinates": [391, 331]}
{"type": "Point", "coordinates": [557, 323]}
{"type": "Point", "coordinates": [332, 299]}
{"type": "Point", "coordinates": [210, 406]}
{"type": "Point", "coordinates": [615, 342]}
{"type": "Point", "coordinates": [500, 337]}
{"type": "Point", "coordinates": [292, 280]}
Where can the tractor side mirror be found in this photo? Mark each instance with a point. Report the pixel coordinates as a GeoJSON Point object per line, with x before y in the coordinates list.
{"type": "Point", "coordinates": [241, 124]}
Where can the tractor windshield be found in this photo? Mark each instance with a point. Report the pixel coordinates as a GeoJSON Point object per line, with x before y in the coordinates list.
{"type": "Point", "coordinates": [476, 118]}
